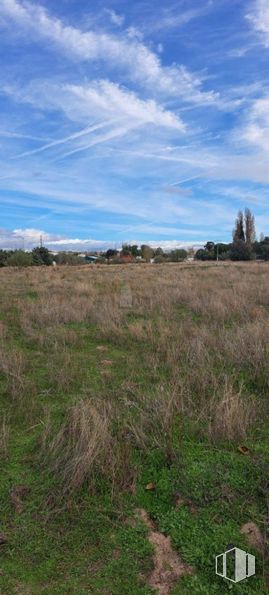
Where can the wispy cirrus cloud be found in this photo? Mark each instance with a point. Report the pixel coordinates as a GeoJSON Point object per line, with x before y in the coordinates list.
{"type": "Point", "coordinates": [139, 62]}
{"type": "Point", "coordinates": [99, 98]}
{"type": "Point", "coordinates": [114, 123]}
{"type": "Point", "coordinates": [111, 135]}
{"type": "Point", "coordinates": [19, 135]}
{"type": "Point", "coordinates": [121, 110]}
{"type": "Point", "coordinates": [106, 97]}
{"type": "Point", "coordinates": [62, 141]}
{"type": "Point", "coordinates": [174, 17]}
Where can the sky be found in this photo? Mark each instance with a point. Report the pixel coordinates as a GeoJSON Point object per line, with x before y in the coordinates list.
{"type": "Point", "coordinates": [138, 122]}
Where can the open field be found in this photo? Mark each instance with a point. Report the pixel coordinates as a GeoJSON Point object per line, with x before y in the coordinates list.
{"type": "Point", "coordinates": [134, 401]}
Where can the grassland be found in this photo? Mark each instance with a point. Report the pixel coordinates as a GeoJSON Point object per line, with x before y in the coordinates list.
{"type": "Point", "coordinates": [126, 388]}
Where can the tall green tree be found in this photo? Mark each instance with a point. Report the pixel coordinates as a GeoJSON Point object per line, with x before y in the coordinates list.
{"type": "Point", "coordinates": [42, 256]}
{"type": "Point", "coordinates": [240, 250]}
{"type": "Point", "coordinates": [135, 250]}
{"type": "Point", "coordinates": [239, 233]}
{"type": "Point", "coordinates": [210, 246]}
{"type": "Point", "coordinates": [147, 252]}
{"type": "Point", "coordinates": [250, 234]}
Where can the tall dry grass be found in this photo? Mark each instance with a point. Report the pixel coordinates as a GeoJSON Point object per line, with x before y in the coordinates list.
{"type": "Point", "coordinates": [88, 447]}
{"type": "Point", "coordinates": [12, 367]}
{"type": "Point", "coordinates": [193, 341]}
{"type": "Point", "coordinates": [4, 437]}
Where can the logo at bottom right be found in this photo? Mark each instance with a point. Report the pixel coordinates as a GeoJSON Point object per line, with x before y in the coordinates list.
{"type": "Point", "coordinates": [235, 565]}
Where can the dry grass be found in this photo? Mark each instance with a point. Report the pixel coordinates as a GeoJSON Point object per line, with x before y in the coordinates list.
{"type": "Point", "coordinates": [231, 413]}
{"type": "Point", "coordinates": [12, 366]}
{"type": "Point", "coordinates": [4, 436]}
{"type": "Point", "coordinates": [197, 335]}
{"type": "Point", "coordinates": [88, 447]}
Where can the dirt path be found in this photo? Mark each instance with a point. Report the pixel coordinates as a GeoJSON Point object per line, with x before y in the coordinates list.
{"type": "Point", "coordinates": [168, 567]}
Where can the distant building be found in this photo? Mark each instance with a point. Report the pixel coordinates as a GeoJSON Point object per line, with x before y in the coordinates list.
{"type": "Point", "coordinates": [127, 258]}
{"type": "Point", "coordinates": [88, 257]}
{"type": "Point", "coordinates": [91, 258]}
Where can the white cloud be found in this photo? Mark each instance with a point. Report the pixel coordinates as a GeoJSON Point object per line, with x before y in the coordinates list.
{"type": "Point", "coordinates": [98, 99]}
{"type": "Point", "coordinates": [259, 18]}
{"type": "Point", "coordinates": [33, 235]}
{"type": "Point", "coordinates": [116, 18]}
{"type": "Point", "coordinates": [23, 238]}
{"type": "Point", "coordinates": [134, 33]}
{"type": "Point", "coordinates": [120, 110]}
{"type": "Point", "coordinates": [106, 97]}
{"type": "Point", "coordinates": [30, 238]}
{"type": "Point", "coordinates": [255, 129]}
{"type": "Point", "coordinates": [140, 63]}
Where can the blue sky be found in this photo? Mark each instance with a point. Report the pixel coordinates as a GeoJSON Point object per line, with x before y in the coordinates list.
{"type": "Point", "coordinates": [132, 121]}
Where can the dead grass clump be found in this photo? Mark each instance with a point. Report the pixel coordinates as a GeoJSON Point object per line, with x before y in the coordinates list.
{"type": "Point", "coordinates": [57, 338]}
{"type": "Point", "coordinates": [63, 372]}
{"type": "Point", "coordinates": [4, 436]}
{"type": "Point", "coordinates": [141, 330]}
{"type": "Point", "coordinates": [3, 331]}
{"type": "Point", "coordinates": [54, 309]}
{"type": "Point", "coordinates": [26, 324]}
{"type": "Point", "coordinates": [107, 314]}
{"type": "Point", "coordinates": [231, 414]}
{"type": "Point", "coordinates": [13, 366]}
{"type": "Point", "coordinates": [87, 448]}
{"type": "Point", "coordinates": [247, 348]}
{"type": "Point", "coordinates": [81, 442]}
{"type": "Point", "coordinates": [154, 421]}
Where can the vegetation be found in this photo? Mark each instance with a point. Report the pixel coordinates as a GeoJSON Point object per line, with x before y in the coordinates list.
{"type": "Point", "coordinates": [132, 389]}
{"type": "Point", "coordinates": [19, 258]}
{"type": "Point", "coordinates": [42, 256]}
{"type": "Point", "coordinates": [243, 247]}
{"type": "Point", "coordinates": [69, 258]}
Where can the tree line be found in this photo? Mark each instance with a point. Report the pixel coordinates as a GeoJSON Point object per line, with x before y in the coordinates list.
{"type": "Point", "coordinates": [42, 256]}
{"type": "Point", "coordinates": [38, 256]}
{"type": "Point", "coordinates": [146, 253]}
{"type": "Point", "coordinates": [244, 245]}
